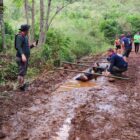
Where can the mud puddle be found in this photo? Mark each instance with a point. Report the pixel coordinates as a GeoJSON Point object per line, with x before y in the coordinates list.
{"type": "Point", "coordinates": [73, 84]}
{"type": "Point", "coordinates": [50, 117]}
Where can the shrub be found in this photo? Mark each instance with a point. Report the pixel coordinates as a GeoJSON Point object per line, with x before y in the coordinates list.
{"type": "Point", "coordinates": [110, 28]}
{"type": "Point", "coordinates": [81, 49]}
{"type": "Point", "coordinates": [58, 46]}
{"type": "Point", "coordinates": [9, 72]}
{"type": "Point", "coordinates": [8, 29]}
{"type": "Point", "coordinates": [135, 23]}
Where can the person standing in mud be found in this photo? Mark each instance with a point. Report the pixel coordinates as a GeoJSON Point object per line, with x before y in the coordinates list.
{"type": "Point", "coordinates": [23, 54]}
{"type": "Point", "coordinates": [130, 37]}
{"type": "Point", "coordinates": [137, 42]}
{"type": "Point", "coordinates": [126, 46]}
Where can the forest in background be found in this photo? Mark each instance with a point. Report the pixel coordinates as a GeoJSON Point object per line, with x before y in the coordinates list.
{"type": "Point", "coordinates": [80, 28]}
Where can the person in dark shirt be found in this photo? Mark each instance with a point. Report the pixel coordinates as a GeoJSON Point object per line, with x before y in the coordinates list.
{"type": "Point", "coordinates": [126, 46]}
{"type": "Point", "coordinates": [130, 37]}
{"type": "Point", "coordinates": [117, 63]}
{"type": "Point", "coordinates": [23, 54]}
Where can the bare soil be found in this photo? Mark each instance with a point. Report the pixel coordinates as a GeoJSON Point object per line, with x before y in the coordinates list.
{"type": "Point", "coordinates": [57, 107]}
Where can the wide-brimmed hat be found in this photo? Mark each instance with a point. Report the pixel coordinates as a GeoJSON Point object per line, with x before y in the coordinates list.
{"type": "Point", "coordinates": [24, 27]}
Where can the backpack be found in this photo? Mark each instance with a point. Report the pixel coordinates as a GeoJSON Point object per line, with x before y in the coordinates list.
{"type": "Point", "coordinates": [126, 42]}
{"type": "Point", "coordinates": [23, 37]}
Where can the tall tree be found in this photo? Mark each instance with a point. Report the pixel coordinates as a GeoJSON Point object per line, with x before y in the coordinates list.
{"type": "Point", "coordinates": [33, 20]}
{"type": "Point", "coordinates": [2, 25]}
{"type": "Point", "coordinates": [26, 10]}
{"type": "Point", "coordinates": [47, 20]}
{"type": "Point", "coordinates": [42, 17]}
{"type": "Point", "coordinates": [44, 26]}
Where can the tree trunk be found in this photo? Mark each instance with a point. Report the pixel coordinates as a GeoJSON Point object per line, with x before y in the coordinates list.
{"type": "Point", "coordinates": [3, 34]}
{"type": "Point", "coordinates": [26, 10]}
{"type": "Point", "coordinates": [2, 25]}
{"type": "Point", "coordinates": [42, 15]}
{"type": "Point", "coordinates": [33, 20]}
{"type": "Point", "coordinates": [44, 27]}
{"type": "Point", "coordinates": [47, 20]}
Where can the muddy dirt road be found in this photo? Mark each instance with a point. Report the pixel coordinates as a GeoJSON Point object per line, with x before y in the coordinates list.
{"type": "Point", "coordinates": [95, 110]}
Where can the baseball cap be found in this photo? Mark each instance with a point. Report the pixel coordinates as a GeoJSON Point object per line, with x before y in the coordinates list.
{"type": "Point", "coordinates": [24, 27]}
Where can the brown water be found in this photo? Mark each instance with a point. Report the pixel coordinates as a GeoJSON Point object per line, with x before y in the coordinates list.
{"type": "Point", "coordinates": [73, 84]}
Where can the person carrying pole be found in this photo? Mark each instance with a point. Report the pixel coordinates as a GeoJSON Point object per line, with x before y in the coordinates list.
{"type": "Point", "coordinates": [117, 64]}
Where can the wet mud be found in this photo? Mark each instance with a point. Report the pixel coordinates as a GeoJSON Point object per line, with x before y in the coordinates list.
{"type": "Point", "coordinates": [113, 113]}
{"type": "Point", "coordinates": [73, 110]}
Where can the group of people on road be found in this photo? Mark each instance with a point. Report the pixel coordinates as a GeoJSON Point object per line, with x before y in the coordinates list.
{"type": "Point", "coordinates": [118, 57]}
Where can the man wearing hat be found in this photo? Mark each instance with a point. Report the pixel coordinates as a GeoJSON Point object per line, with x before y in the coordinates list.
{"type": "Point", "coordinates": [23, 53]}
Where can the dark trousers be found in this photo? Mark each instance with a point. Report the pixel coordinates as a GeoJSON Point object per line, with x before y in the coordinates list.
{"type": "Point", "coordinates": [127, 52]}
{"type": "Point", "coordinates": [118, 71]}
{"type": "Point", "coordinates": [22, 67]}
{"type": "Point", "coordinates": [136, 47]}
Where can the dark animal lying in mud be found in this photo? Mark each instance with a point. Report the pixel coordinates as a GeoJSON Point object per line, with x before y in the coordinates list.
{"type": "Point", "coordinates": [89, 75]}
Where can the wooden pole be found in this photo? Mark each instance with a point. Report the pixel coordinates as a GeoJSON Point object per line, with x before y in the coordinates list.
{"type": "Point", "coordinates": [75, 64]}
{"type": "Point", "coordinates": [111, 76]}
{"type": "Point", "coordinates": [80, 64]}
{"type": "Point", "coordinates": [92, 62]}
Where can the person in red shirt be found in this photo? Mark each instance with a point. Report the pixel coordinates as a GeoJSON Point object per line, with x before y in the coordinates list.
{"type": "Point", "coordinates": [117, 43]}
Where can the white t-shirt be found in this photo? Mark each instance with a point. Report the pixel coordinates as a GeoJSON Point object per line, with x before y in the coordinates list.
{"type": "Point", "coordinates": [120, 55]}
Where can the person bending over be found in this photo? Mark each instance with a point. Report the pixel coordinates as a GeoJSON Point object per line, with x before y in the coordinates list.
{"type": "Point", "coordinates": [117, 64]}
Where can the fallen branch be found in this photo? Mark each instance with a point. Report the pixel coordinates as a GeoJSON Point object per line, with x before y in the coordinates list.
{"type": "Point", "coordinates": [91, 66]}
{"type": "Point", "coordinates": [76, 71]}
{"type": "Point", "coordinates": [92, 62]}
{"type": "Point", "coordinates": [75, 64]}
